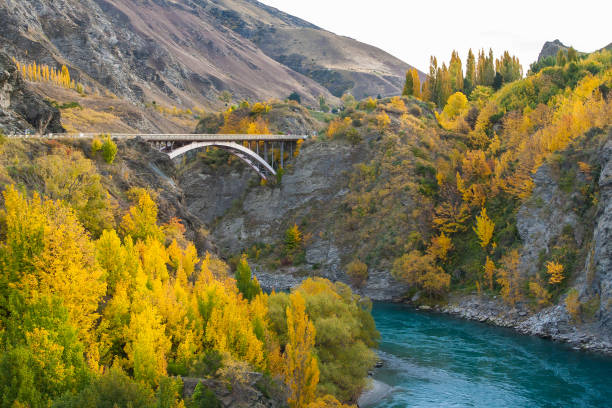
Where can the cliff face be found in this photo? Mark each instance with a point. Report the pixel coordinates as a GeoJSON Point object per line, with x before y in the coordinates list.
{"type": "Point", "coordinates": [600, 259]}
{"type": "Point", "coordinates": [21, 109]}
{"type": "Point", "coordinates": [557, 220]}
{"type": "Point", "coordinates": [311, 193]}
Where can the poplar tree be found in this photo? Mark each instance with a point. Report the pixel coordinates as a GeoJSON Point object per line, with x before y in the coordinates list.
{"type": "Point", "coordinates": [469, 83]}
{"type": "Point", "coordinates": [416, 83]}
{"type": "Point", "coordinates": [456, 72]}
{"type": "Point", "coordinates": [409, 84]}
{"type": "Point", "coordinates": [302, 370]}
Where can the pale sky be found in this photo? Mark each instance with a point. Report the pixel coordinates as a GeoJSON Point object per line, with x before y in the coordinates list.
{"type": "Point", "coordinates": [415, 30]}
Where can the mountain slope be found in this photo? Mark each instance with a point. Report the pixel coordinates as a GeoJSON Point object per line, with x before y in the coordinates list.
{"type": "Point", "coordinates": [166, 51]}
{"type": "Point", "coordinates": [186, 53]}
{"type": "Point", "coordinates": [341, 64]}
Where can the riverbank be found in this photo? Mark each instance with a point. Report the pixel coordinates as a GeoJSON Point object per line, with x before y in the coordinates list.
{"type": "Point", "coordinates": [553, 323]}
{"type": "Point", "coordinates": [377, 391]}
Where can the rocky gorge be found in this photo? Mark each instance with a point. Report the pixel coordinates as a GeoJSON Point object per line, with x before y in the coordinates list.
{"type": "Point", "coordinates": [244, 214]}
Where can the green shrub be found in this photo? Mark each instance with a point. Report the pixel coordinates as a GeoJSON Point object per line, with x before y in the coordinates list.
{"type": "Point", "coordinates": [353, 136]}
{"type": "Point", "coordinates": [109, 150]}
{"type": "Point", "coordinates": [203, 397]}
{"type": "Point", "coordinates": [344, 330]}
{"type": "Point", "coordinates": [112, 389]}
{"type": "Point", "coordinates": [247, 285]}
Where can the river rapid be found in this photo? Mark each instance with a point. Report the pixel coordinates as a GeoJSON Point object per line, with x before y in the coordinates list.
{"type": "Point", "coordinates": [434, 360]}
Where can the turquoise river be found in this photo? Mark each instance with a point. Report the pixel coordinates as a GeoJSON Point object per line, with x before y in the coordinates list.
{"type": "Point", "coordinates": [433, 360]}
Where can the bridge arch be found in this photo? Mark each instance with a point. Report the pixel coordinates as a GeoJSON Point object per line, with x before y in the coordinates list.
{"type": "Point", "coordinates": [255, 161]}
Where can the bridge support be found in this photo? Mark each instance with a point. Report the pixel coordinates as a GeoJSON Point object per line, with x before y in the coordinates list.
{"type": "Point", "coordinates": [265, 166]}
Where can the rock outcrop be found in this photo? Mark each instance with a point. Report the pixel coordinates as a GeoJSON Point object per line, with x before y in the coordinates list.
{"type": "Point", "coordinates": [600, 259]}
{"type": "Point", "coordinates": [255, 391]}
{"type": "Point", "coordinates": [20, 109]}
{"type": "Point", "coordinates": [551, 48]}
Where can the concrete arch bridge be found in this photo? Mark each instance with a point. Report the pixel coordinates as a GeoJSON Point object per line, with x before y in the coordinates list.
{"type": "Point", "coordinates": [263, 153]}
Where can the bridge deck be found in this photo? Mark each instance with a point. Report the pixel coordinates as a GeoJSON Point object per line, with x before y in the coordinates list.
{"type": "Point", "coordinates": [187, 137]}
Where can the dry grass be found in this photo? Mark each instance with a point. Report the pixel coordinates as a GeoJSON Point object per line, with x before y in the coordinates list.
{"type": "Point", "coordinates": [107, 113]}
{"type": "Point", "coordinates": [89, 120]}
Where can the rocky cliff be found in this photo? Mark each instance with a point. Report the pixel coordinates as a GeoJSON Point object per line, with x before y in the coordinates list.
{"type": "Point", "coordinates": [557, 219]}
{"type": "Point", "coordinates": [311, 194]}
{"type": "Point", "coordinates": [551, 48]}
{"type": "Point", "coordinates": [20, 109]}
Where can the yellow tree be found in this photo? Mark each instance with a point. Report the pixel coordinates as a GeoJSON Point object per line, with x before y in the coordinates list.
{"type": "Point", "coordinates": [508, 276]}
{"type": "Point", "coordinates": [147, 345]}
{"type": "Point", "coordinates": [489, 272]}
{"type": "Point", "coordinates": [484, 228]}
{"type": "Point", "coordinates": [111, 256]}
{"type": "Point", "coordinates": [541, 294]}
{"type": "Point", "coordinates": [293, 238]}
{"type": "Point", "coordinates": [141, 220]}
{"type": "Point", "coordinates": [440, 245]}
{"type": "Point", "coordinates": [67, 267]}
{"type": "Point", "coordinates": [382, 120]}
{"type": "Point", "coordinates": [302, 369]}
{"type": "Point", "coordinates": [229, 328]}
{"type": "Point", "coordinates": [416, 83]}
{"type": "Point", "coordinates": [555, 270]}
{"type": "Point", "coordinates": [112, 329]}
{"type": "Point", "coordinates": [451, 217]}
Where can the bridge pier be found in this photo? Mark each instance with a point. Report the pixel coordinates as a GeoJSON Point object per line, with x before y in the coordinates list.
{"type": "Point", "coordinates": [266, 151]}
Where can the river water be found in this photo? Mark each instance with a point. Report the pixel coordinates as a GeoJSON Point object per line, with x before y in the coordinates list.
{"type": "Point", "coordinates": [433, 360]}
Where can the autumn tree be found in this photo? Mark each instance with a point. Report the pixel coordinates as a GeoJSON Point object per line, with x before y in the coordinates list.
{"type": "Point", "coordinates": [416, 83]}
{"type": "Point", "coordinates": [141, 220]}
{"type": "Point", "coordinates": [572, 304]}
{"type": "Point", "coordinates": [147, 345]}
{"type": "Point", "coordinates": [489, 272]}
{"type": "Point", "coordinates": [456, 72]}
{"type": "Point", "coordinates": [293, 237]}
{"type": "Point", "coordinates": [508, 276]}
{"type": "Point", "coordinates": [509, 68]}
{"type": "Point", "coordinates": [561, 58]}
{"type": "Point", "coordinates": [420, 270]}
{"type": "Point", "coordinates": [302, 370]}
{"type": "Point", "coordinates": [382, 121]}
{"type": "Point", "coordinates": [555, 272]}
{"type": "Point", "coordinates": [484, 228]}
{"type": "Point", "coordinates": [357, 271]}
{"type": "Point", "coordinates": [344, 328]}
{"type": "Point", "coordinates": [440, 246]}
{"type": "Point", "coordinates": [456, 106]}
{"type": "Point", "coordinates": [540, 293]}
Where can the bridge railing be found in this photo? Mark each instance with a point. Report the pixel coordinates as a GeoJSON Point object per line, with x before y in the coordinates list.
{"type": "Point", "coordinates": [168, 137]}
